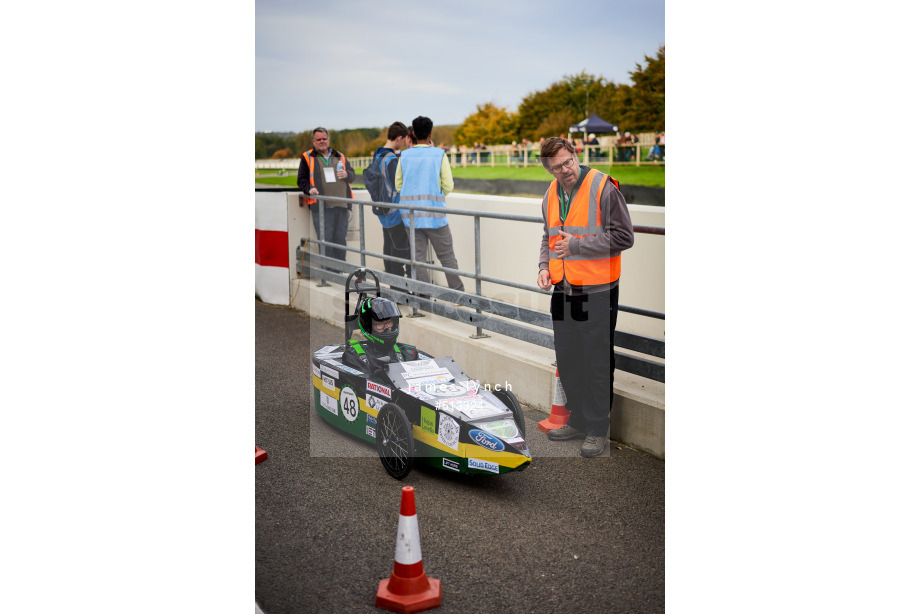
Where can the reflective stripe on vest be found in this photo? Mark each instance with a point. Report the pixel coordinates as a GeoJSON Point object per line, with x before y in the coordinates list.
{"type": "Point", "coordinates": [583, 220]}
{"type": "Point", "coordinates": [310, 161]}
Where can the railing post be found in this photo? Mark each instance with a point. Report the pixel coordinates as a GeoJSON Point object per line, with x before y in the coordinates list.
{"type": "Point", "coordinates": [415, 313]}
{"type": "Point", "coordinates": [492, 155]}
{"type": "Point", "coordinates": [322, 236]}
{"type": "Point", "coordinates": [476, 227]}
{"type": "Point", "coordinates": [361, 226]}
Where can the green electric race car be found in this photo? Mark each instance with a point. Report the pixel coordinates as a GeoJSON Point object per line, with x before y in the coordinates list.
{"type": "Point", "coordinates": [416, 408]}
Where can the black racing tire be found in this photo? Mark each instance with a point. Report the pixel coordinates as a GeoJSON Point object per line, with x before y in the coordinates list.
{"type": "Point", "coordinates": [507, 397]}
{"type": "Point", "coordinates": [395, 444]}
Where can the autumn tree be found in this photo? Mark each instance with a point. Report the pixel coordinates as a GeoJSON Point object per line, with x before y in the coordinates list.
{"type": "Point", "coordinates": [443, 135]}
{"type": "Point", "coordinates": [489, 124]}
{"type": "Point", "coordinates": [267, 143]}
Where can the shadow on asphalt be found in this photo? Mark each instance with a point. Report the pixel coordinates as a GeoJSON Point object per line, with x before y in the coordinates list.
{"type": "Point", "coordinates": [567, 534]}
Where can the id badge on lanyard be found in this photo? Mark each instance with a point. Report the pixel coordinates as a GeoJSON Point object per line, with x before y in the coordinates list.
{"type": "Point", "coordinates": [329, 174]}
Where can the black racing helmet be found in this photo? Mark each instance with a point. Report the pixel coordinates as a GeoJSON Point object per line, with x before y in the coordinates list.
{"type": "Point", "coordinates": [375, 310]}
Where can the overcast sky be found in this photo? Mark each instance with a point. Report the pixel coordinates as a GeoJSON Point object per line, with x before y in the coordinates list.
{"type": "Point", "coordinates": [366, 63]}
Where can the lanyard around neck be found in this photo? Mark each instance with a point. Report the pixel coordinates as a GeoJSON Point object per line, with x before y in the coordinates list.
{"type": "Point", "coordinates": [566, 199]}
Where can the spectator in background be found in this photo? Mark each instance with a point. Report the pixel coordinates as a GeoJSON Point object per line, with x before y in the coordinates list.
{"type": "Point", "coordinates": [625, 147]}
{"type": "Point", "coordinates": [526, 144]}
{"type": "Point", "coordinates": [660, 141]}
{"type": "Point", "coordinates": [483, 153]}
{"type": "Point", "coordinates": [325, 171]}
{"type": "Point", "coordinates": [423, 177]}
{"type": "Point", "coordinates": [654, 153]}
{"type": "Point", "coordinates": [591, 140]}
{"type": "Point", "coordinates": [395, 236]}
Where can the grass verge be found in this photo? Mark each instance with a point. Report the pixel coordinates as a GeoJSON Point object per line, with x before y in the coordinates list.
{"type": "Point", "coordinates": [626, 173]}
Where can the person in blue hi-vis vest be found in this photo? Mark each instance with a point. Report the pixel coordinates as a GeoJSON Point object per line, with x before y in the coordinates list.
{"type": "Point", "coordinates": [395, 236]}
{"type": "Point", "coordinates": [423, 177]}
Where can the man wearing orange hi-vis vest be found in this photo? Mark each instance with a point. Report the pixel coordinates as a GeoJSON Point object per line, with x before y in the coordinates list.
{"type": "Point", "coordinates": [586, 226]}
{"type": "Point", "coordinates": [323, 170]}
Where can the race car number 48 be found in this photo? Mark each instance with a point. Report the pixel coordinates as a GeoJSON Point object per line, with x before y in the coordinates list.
{"type": "Point", "coordinates": [349, 401]}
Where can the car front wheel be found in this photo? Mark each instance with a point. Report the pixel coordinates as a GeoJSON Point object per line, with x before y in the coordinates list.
{"type": "Point", "coordinates": [395, 444]}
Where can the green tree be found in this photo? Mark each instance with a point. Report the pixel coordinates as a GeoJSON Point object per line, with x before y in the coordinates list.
{"type": "Point", "coordinates": [489, 124]}
{"type": "Point", "coordinates": [554, 124]}
{"type": "Point", "coordinates": [260, 148]}
{"type": "Point", "coordinates": [550, 112]}
{"type": "Point", "coordinates": [644, 108]}
{"type": "Point", "coordinates": [638, 107]}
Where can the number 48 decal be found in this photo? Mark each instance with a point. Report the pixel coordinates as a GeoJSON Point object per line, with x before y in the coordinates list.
{"type": "Point", "coordinates": [349, 403]}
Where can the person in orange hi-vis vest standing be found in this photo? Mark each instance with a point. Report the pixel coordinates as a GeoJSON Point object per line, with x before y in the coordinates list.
{"type": "Point", "coordinates": [326, 171]}
{"type": "Point", "coordinates": [586, 226]}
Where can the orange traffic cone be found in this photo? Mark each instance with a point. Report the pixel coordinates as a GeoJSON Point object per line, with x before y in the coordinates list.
{"type": "Point", "coordinates": [558, 414]}
{"type": "Point", "coordinates": [261, 455]}
{"type": "Point", "coordinates": [408, 589]}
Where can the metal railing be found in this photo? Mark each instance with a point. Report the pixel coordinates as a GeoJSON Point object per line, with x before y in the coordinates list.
{"type": "Point", "coordinates": [490, 314]}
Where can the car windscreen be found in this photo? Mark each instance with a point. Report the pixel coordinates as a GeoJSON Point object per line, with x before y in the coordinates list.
{"type": "Point", "coordinates": [425, 372]}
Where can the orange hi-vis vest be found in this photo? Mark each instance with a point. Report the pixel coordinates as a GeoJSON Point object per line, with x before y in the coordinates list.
{"type": "Point", "coordinates": [310, 161]}
{"type": "Point", "coordinates": [582, 220]}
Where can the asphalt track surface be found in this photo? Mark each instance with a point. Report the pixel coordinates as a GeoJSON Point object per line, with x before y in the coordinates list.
{"type": "Point", "coordinates": [567, 534]}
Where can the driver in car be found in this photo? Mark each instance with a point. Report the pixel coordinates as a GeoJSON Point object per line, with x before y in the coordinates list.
{"type": "Point", "coordinates": [378, 319]}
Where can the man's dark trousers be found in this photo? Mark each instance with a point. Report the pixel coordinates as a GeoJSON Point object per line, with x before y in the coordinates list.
{"type": "Point", "coordinates": [336, 227]}
{"type": "Point", "coordinates": [396, 243]}
{"type": "Point", "coordinates": [583, 327]}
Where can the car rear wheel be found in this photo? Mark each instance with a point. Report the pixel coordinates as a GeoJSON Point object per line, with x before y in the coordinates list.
{"type": "Point", "coordinates": [507, 397]}
{"type": "Point", "coordinates": [395, 444]}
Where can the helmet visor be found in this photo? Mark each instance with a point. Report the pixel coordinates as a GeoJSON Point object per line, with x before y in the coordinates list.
{"type": "Point", "coordinates": [384, 309]}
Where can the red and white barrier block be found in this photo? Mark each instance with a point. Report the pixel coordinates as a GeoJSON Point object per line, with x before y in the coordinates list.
{"type": "Point", "coordinates": [273, 275]}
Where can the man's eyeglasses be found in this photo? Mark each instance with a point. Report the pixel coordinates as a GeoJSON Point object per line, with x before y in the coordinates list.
{"type": "Point", "coordinates": [567, 164]}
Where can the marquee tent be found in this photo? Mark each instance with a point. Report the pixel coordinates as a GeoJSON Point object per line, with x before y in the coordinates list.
{"type": "Point", "coordinates": [593, 124]}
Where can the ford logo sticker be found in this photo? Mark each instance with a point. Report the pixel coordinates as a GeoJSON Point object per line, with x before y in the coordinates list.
{"type": "Point", "coordinates": [486, 440]}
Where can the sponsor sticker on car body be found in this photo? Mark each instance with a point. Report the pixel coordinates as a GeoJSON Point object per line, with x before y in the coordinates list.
{"type": "Point", "coordinates": [374, 402]}
{"type": "Point", "coordinates": [380, 389]}
{"type": "Point", "coordinates": [484, 465]}
{"type": "Point", "coordinates": [329, 403]}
